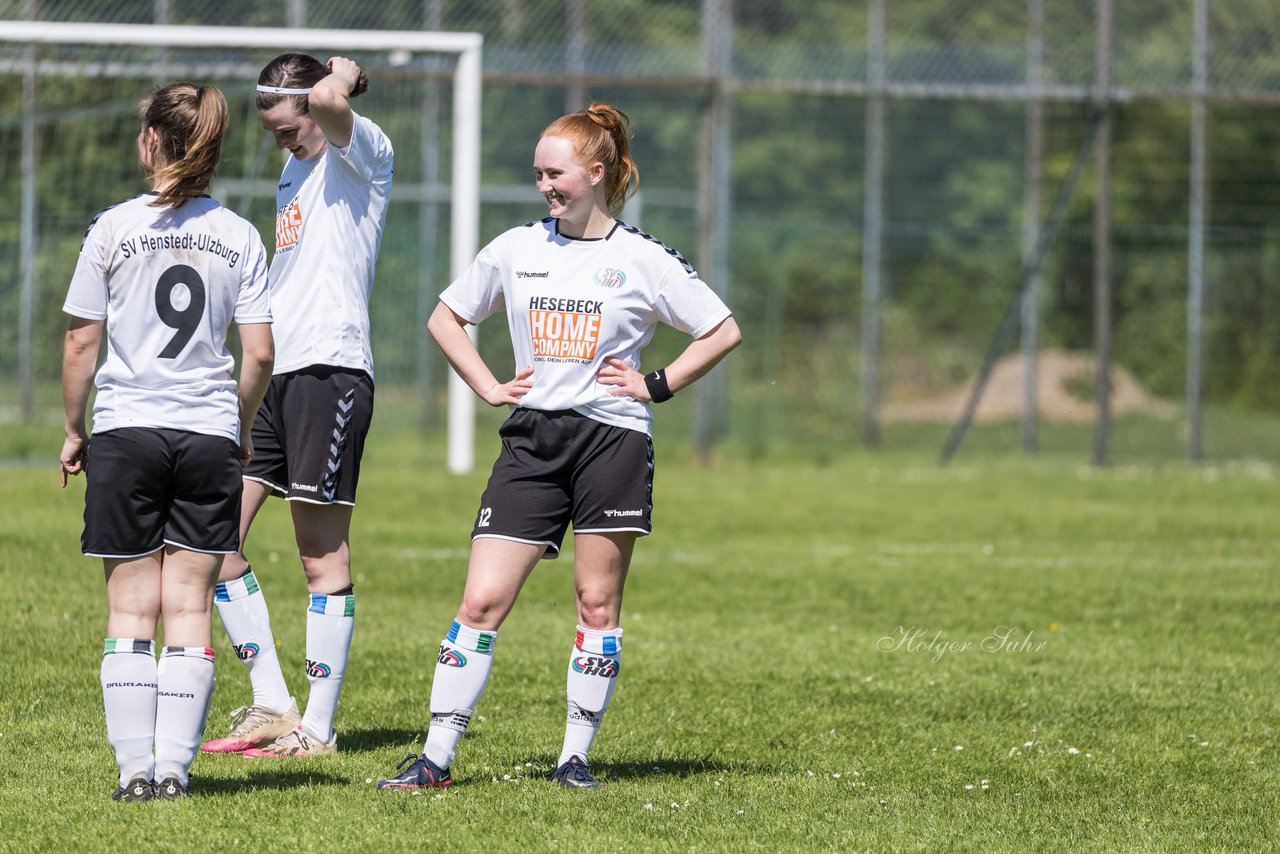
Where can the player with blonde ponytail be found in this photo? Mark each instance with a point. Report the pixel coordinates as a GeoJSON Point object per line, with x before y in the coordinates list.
{"type": "Point", "coordinates": [162, 276]}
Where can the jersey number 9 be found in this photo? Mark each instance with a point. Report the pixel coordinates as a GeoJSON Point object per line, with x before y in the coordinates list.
{"type": "Point", "coordinates": [185, 320]}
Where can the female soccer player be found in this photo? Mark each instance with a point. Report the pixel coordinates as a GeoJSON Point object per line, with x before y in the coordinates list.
{"type": "Point", "coordinates": [583, 293]}
{"type": "Point", "coordinates": [164, 274]}
{"type": "Point", "coordinates": [309, 437]}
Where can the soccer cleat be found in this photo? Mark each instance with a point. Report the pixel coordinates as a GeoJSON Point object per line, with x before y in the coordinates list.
{"type": "Point", "coordinates": [170, 789]}
{"type": "Point", "coordinates": [296, 744]}
{"type": "Point", "coordinates": [574, 774]}
{"type": "Point", "coordinates": [136, 789]}
{"type": "Point", "coordinates": [422, 774]}
{"type": "Point", "coordinates": [254, 726]}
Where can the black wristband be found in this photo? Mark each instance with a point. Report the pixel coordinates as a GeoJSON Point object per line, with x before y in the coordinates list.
{"type": "Point", "coordinates": [656, 382]}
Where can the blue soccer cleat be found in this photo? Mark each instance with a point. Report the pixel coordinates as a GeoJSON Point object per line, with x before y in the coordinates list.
{"type": "Point", "coordinates": [574, 774]}
{"type": "Point", "coordinates": [422, 774]}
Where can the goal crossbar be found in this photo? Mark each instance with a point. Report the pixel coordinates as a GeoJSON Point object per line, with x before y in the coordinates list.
{"type": "Point", "coordinates": [464, 202]}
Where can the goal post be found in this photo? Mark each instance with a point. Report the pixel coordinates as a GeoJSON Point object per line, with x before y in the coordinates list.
{"type": "Point", "coordinates": [464, 196]}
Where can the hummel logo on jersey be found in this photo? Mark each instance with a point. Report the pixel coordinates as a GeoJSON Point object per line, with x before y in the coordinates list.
{"type": "Point", "coordinates": [525, 274]}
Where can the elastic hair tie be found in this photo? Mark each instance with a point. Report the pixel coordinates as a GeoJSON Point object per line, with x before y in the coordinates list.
{"type": "Point", "coordinates": [280, 90]}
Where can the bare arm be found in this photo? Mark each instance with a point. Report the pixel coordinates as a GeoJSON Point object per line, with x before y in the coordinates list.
{"type": "Point", "coordinates": [330, 101]}
{"type": "Point", "coordinates": [79, 358]}
{"type": "Point", "coordinates": [449, 329]}
{"type": "Point", "coordinates": [697, 359]}
{"type": "Point", "coordinates": [257, 357]}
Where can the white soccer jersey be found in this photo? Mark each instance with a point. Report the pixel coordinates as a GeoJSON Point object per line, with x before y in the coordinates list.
{"type": "Point", "coordinates": [573, 303]}
{"type": "Point", "coordinates": [329, 216]}
{"type": "Point", "coordinates": [169, 281]}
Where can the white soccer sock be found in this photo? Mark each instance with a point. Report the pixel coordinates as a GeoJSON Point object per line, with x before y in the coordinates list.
{"type": "Point", "coordinates": [462, 671]}
{"type": "Point", "coordinates": [128, 676]}
{"type": "Point", "coordinates": [243, 611]}
{"type": "Point", "coordinates": [185, 680]}
{"type": "Point", "coordinates": [593, 673]}
{"type": "Point", "coordinates": [331, 620]}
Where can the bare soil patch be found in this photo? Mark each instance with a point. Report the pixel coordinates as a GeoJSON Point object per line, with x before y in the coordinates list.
{"type": "Point", "coordinates": [1058, 372]}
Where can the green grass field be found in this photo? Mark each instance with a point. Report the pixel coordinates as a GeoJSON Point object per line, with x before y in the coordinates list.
{"type": "Point", "coordinates": [815, 660]}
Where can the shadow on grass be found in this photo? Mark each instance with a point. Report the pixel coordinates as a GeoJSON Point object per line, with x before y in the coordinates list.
{"type": "Point", "coordinates": [265, 777]}
{"type": "Point", "coordinates": [369, 740]}
{"type": "Point", "coordinates": [659, 768]}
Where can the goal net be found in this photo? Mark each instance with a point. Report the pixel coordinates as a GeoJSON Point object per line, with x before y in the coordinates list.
{"type": "Point", "coordinates": [68, 120]}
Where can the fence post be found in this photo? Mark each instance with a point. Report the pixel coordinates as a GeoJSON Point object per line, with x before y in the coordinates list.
{"type": "Point", "coordinates": [1102, 235]}
{"type": "Point", "coordinates": [710, 416]}
{"type": "Point", "coordinates": [872, 224]}
{"type": "Point", "coordinates": [1195, 236]}
{"type": "Point", "coordinates": [1031, 226]}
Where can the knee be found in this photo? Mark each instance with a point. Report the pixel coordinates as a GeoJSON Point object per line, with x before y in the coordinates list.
{"type": "Point", "coordinates": [479, 612]}
{"type": "Point", "coordinates": [597, 612]}
{"type": "Point", "coordinates": [326, 573]}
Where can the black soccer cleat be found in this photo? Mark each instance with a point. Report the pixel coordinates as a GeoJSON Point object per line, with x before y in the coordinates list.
{"type": "Point", "coordinates": [136, 789]}
{"type": "Point", "coordinates": [170, 789]}
{"type": "Point", "coordinates": [422, 774]}
{"type": "Point", "coordinates": [575, 774]}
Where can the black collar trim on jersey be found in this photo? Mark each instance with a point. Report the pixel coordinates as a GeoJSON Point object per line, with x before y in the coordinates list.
{"type": "Point", "coordinates": [616, 223]}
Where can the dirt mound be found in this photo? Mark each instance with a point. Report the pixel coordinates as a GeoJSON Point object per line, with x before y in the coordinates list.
{"type": "Point", "coordinates": [1058, 371]}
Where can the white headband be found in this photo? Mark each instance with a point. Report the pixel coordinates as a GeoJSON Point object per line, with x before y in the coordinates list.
{"type": "Point", "coordinates": [277, 90]}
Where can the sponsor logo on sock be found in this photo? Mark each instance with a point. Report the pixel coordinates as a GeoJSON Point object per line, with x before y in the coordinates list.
{"type": "Point", "coordinates": [452, 657]}
{"type": "Point", "coordinates": [318, 669]}
{"type": "Point", "coordinates": [246, 651]}
{"type": "Point", "coordinates": [582, 716]}
{"type": "Point", "coordinates": [594, 665]}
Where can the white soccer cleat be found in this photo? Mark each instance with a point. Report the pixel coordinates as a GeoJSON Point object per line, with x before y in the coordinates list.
{"type": "Point", "coordinates": [255, 726]}
{"type": "Point", "coordinates": [297, 744]}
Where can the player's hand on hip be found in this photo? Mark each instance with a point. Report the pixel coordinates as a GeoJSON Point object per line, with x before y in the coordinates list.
{"type": "Point", "coordinates": [71, 460]}
{"type": "Point", "coordinates": [623, 380]}
{"type": "Point", "coordinates": [500, 394]}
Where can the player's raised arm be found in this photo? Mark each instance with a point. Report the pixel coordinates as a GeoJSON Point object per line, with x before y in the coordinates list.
{"type": "Point", "coordinates": [330, 100]}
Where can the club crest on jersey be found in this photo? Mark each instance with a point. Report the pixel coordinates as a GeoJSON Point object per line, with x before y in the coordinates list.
{"type": "Point", "coordinates": [246, 651]}
{"type": "Point", "coordinates": [452, 657]}
{"type": "Point", "coordinates": [594, 665]}
{"type": "Point", "coordinates": [610, 277]}
{"type": "Point", "coordinates": [318, 669]}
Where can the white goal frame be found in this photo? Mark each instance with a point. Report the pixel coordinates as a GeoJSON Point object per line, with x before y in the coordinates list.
{"type": "Point", "coordinates": [464, 198]}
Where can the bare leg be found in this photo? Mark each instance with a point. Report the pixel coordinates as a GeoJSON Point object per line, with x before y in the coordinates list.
{"type": "Point", "coordinates": [599, 573]}
{"type": "Point", "coordinates": [322, 532]}
{"type": "Point", "coordinates": [128, 667]}
{"type": "Point", "coordinates": [255, 495]}
{"type": "Point", "coordinates": [184, 676]}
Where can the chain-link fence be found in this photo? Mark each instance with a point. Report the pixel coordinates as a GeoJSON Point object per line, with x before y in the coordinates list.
{"type": "Point", "coordinates": [864, 181]}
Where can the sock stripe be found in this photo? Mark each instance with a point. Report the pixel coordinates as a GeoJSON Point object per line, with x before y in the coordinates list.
{"type": "Point", "coordinates": [205, 652]}
{"type": "Point", "coordinates": [472, 639]}
{"type": "Point", "coordinates": [237, 588]}
{"type": "Point", "coordinates": [342, 606]}
{"type": "Point", "coordinates": [608, 642]}
{"type": "Point", "coordinates": [128, 645]}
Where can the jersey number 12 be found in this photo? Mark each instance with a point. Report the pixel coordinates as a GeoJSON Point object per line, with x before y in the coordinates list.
{"type": "Point", "coordinates": [185, 320]}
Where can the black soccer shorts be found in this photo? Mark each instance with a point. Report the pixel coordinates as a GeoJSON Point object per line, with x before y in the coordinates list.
{"type": "Point", "coordinates": [309, 436]}
{"type": "Point", "coordinates": [561, 467]}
